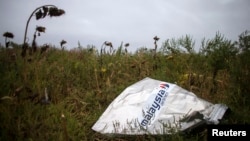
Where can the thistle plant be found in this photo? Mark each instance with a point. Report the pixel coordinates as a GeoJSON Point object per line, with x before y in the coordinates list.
{"type": "Point", "coordinates": [38, 31]}
{"type": "Point", "coordinates": [103, 49]}
{"type": "Point", "coordinates": [105, 44]}
{"type": "Point", "coordinates": [155, 42]}
{"type": "Point", "coordinates": [62, 43]}
{"type": "Point", "coordinates": [155, 49]}
{"type": "Point", "coordinates": [44, 48]}
{"type": "Point", "coordinates": [126, 46]}
{"type": "Point", "coordinates": [8, 35]}
{"type": "Point", "coordinates": [40, 13]}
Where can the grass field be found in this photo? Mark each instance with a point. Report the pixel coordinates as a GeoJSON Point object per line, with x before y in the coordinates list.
{"type": "Point", "coordinates": [81, 83]}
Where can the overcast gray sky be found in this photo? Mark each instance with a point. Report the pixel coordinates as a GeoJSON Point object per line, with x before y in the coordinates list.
{"type": "Point", "coordinates": [91, 22]}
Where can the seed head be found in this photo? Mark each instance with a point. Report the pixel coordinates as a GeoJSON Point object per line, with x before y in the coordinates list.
{"type": "Point", "coordinates": [39, 14]}
{"type": "Point", "coordinates": [108, 44]}
{"type": "Point", "coordinates": [63, 116]}
{"type": "Point", "coordinates": [63, 42]}
{"type": "Point", "coordinates": [40, 29]}
{"type": "Point", "coordinates": [45, 11]}
{"type": "Point", "coordinates": [8, 35]}
{"type": "Point", "coordinates": [127, 44]}
{"type": "Point", "coordinates": [53, 11]}
{"type": "Point", "coordinates": [156, 38]}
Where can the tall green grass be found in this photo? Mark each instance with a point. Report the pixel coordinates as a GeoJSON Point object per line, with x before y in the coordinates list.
{"type": "Point", "coordinates": [82, 83]}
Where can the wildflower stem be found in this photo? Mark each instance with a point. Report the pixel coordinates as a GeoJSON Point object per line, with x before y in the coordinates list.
{"type": "Point", "coordinates": [97, 84]}
{"type": "Point", "coordinates": [65, 128]}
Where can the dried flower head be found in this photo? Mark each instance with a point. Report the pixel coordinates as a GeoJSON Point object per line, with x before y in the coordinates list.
{"type": "Point", "coordinates": [44, 48]}
{"type": "Point", "coordinates": [45, 11]}
{"type": "Point", "coordinates": [40, 29]}
{"type": "Point", "coordinates": [156, 38]}
{"type": "Point", "coordinates": [8, 35]}
{"type": "Point", "coordinates": [63, 42]}
{"type": "Point", "coordinates": [127, 44]}
{"type": "Point", "coordinates": [39, 14]}
{"type": "Point", "coordinates": [108, 44]}
{"type": "Point", "coordinates": [53, 11]}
